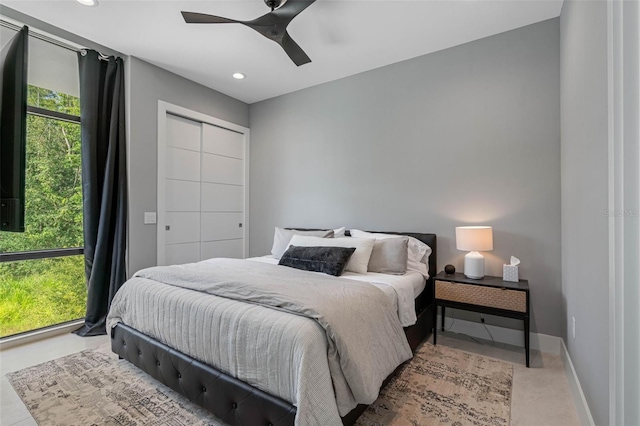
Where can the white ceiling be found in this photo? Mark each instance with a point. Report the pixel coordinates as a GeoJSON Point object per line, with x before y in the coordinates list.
{"type": "Point", "coordinates": [342, 37]}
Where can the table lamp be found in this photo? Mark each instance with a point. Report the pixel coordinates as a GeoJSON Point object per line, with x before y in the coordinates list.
{"type": "Point", "coordinates": [474, 239]}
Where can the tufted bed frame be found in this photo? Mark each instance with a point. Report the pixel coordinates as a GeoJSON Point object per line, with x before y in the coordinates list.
{"type": "Point", "coordinates": [234, 401]}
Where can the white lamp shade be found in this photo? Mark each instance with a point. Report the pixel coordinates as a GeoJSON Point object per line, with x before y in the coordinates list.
{"type": "Point", "coordinates": [474, 238]}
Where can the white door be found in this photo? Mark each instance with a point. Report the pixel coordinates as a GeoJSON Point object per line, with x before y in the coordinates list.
{"type": "Point", "coordinates": [201, 192]}
{"type": "Point", "coordinates": [182, 188]}
{"type": "Point", "coordinates": [222, 193]}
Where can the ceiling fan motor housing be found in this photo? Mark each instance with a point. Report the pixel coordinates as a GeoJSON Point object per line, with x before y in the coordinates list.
{"type": "Point", "coordinates": [273, 4]}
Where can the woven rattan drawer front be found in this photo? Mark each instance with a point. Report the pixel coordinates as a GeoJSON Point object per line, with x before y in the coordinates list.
{"type": "Point", "coordinates": [512, 300]}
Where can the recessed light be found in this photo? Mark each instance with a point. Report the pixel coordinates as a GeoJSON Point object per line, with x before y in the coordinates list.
{"type": "Point", "coordinates": [88, 2]}
{"type": "Point", "coordinates": [236, 75]}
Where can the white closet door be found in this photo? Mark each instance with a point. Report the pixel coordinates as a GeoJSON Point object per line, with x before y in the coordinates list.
{"type": "Point", "coordinates": [222, 226]}
{"type": "Point", "coordinates": [182, 207]}
{"type": "Point", "coordinates": [201, 189]}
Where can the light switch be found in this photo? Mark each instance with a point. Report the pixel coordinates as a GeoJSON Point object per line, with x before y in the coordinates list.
{"type": "Point", "coordinates": [149, 218]}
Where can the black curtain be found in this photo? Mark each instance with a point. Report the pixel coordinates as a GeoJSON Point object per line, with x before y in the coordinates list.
{"type": "Point", "coordinates": [104, 183]}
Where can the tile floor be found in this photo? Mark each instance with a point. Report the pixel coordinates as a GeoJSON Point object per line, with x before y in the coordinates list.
{"type": "Point", "coordinates": [541, 395]}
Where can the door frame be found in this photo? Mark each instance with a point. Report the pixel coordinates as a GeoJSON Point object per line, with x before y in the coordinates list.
{"type": "Point", "coordinates": [623, 54]}
{"type": "Point", "coordinates": [165, 108]}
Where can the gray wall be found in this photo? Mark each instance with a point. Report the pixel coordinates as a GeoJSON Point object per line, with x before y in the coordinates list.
{"type": "Point", "coordinates": [146, 85]}
{"type": "Point", "coordinates": [585, 254]}
{"type": "Point", "coordinates": [462, 136]}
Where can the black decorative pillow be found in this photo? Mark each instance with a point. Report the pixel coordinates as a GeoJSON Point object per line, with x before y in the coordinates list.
{"type": "Point", "coordinates": [328, 260]}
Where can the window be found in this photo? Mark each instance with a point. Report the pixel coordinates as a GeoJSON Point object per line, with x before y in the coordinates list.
{"type": "Point", "coordinates": [42, 280]}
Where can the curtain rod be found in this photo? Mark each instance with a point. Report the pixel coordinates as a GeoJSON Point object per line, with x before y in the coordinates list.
{"type": "Point", "coordinates": [50, 40]}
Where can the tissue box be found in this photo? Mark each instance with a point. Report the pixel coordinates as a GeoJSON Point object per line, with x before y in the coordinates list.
{"type": "Point", "coordinates": [510, 273]}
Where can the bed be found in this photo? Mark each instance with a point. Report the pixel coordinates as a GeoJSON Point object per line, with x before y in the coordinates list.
{"type": "Point", "coordinates": [232, 392]}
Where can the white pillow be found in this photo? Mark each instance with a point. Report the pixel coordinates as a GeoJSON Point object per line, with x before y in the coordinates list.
{"type": "Point", "coordinates": [339, 233]}
{"type": "Point", "coordinates": [359, 259]}
{"type": "Point", "coordinates": [282, 237]}
{"type": "Point", "coordinates": [419, 252]}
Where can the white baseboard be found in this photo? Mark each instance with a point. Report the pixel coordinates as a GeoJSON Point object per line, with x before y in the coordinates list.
{"type": "Point", "coordinates": [584, 413]}
{"type": "Point", "coordinates": [23, 339]}
{"type": "Point", "coordinates": [540, 342]}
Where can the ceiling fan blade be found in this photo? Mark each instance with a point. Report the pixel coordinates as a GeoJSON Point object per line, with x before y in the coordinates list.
{"type": "Point", "coordinates": [294, 51]}
{"type": "Point", "coordinates": [203, 18]}
{"type": "Point", "coordinates": [272, 25]}
{"type": "Point", "coordinates": [292, 8]}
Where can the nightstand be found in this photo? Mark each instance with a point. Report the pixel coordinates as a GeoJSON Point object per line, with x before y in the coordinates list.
{"type": "Point", "coordinates": [489, 295]}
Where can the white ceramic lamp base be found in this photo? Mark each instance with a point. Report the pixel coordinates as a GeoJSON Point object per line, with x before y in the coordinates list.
{"type": "Point", "coordinates": [474, 265]}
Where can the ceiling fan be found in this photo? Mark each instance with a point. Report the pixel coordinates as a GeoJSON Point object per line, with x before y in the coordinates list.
{"type": "Point", "coordinates": [273, 25]}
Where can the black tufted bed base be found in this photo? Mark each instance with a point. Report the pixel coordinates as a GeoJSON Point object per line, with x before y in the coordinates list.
{"type": "Point", "coordinates": [231, 400]}
{"type": "Point", "coordinates": [234, 401]}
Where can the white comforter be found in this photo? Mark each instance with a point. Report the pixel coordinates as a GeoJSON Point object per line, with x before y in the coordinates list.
{"type": "Point", "coordinates": [283, 354]}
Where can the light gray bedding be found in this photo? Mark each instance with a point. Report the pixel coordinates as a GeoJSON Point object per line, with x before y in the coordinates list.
{"type": "Point", "coordinates": [343, 340]}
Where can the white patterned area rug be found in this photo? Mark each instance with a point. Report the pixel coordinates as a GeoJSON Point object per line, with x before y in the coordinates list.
{"type": "Point", "coordinates": [438, 386]}
{"type": "Point", "coordinates": [447, 386]}
{"type": "Point", "coordinates": [93, 387]}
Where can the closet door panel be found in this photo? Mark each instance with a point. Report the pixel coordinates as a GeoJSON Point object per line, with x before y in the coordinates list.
{"type": "Point", "coordinates": [222, 198]}
{"type": "Point", "coordinates": [182, 164]}
{"type": "Point", "coordinates": [228, 248]}
{"type": "Point", "coordinates": [182, 196]}
{"type": "Point", "coordinates": [184, 227]}
{"type": "Point", "coordinates": [177, 254]}
{"type": "Point", "coordinates": [183, 133]}
{"type": "Point", "coordinates": [221, 226]}
{"type": "Point", "coordinates": [218, 169]}
{"type": "Point", "coordinates": [217, 140]}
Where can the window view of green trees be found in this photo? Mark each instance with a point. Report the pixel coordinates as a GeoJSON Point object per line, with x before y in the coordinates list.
{"type": "Point", "coordinates": [42, 292]}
